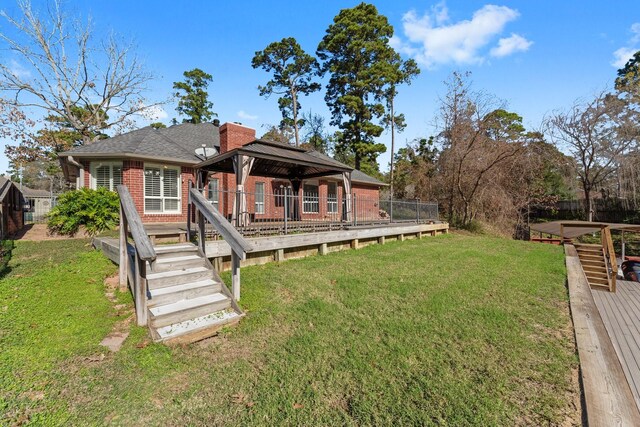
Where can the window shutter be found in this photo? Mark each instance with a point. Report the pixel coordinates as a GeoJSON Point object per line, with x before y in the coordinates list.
{"type": "Point", "coordinates": [103, 177]}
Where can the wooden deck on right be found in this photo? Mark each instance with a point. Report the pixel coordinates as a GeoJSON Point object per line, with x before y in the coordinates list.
{"type": "Point", "coordinates": [620, 312]}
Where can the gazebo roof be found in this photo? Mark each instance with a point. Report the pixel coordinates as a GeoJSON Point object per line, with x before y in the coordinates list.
{"type": "Point", "coordinates": [276, 160]}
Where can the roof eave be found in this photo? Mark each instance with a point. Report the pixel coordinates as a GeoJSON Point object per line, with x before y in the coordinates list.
{"type": "Point", "coordinates": [128, 156]}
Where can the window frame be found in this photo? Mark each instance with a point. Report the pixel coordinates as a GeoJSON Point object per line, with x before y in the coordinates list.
{"type": "Point", "coordinates": [256, 203]}
{"type": "Point", "coordinates": [315, 199]}
{"type": "Point", "coordinates": [93, 171]}
{"type": "Point", "coordinates": [215, 203]}
{"type": "Point", "coordinates": [332, 198]}
{"type": "Point", "coordinates": [162, 197]}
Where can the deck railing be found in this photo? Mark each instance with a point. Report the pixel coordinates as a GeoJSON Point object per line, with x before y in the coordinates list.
{"type": "Point", "coordinates": [205, 213]}
{"type": "Point", "coordinates": [283, 211]}
{"type": "Point", "coordinates": [133, 266]}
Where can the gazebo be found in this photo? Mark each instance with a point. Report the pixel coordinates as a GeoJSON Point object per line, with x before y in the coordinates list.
{"type": "Point", "coordinates": [274, 160]}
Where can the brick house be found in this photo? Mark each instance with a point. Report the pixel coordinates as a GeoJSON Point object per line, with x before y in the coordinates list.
{"type": "Point", "coordinates": [157, 165]}
{"type": "Point", "coordinates": [11, 208]}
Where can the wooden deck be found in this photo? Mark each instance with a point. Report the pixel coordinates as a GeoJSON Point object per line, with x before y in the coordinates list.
{"type": "Point", "coordinates": [620, 312]}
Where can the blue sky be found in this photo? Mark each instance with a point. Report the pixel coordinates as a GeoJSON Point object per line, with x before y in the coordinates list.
{"type": "Point", "coordinates": [537, 56]}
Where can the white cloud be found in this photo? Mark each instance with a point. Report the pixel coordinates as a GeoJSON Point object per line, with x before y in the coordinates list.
{"type": "Point", "coordinates": [509, 45]}
{"type": "Point", "coordinates": [433, 40]}
{"type": "Point", "coordinates": [154, 113]}
{"type": "Point", "coordinates": [623, 54]}
{"type": "Point", "coordinates": [18, 70]}
{"type": "Point", "coordinates": [246, 116]}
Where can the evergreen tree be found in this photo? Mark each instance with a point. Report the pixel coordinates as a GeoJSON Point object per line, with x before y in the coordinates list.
{"type": "Point", "coordinates": [362, 67]}
{"type": "Point", "coordinates": [293, 71]}
{"type": "Point", "coordinates": [193, 98]}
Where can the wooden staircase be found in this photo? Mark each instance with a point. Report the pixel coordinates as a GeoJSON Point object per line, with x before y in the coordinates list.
{"type": "Point", "coordinates": [186, 299]}
{"type": "Point", "coordinates": [177, 292]}
{"type": "Point", "coordinates": [594, 264]}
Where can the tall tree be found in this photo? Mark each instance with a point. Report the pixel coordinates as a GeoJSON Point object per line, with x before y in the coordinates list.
{"type": "Point", "coordinates": [628, 80]}
{"type": "Point", "coordinates": [293, 72]}
{"type": "Point", "coordinates": [597, 133]}
{"type": "Point", "coordinates": [356, 54]}
{"type": "Point", "coordinates": [60, 68]}
{"type": "Point", "coordinates": [193, 98]}
{"type": "Point", "coordinates": [400, 72]}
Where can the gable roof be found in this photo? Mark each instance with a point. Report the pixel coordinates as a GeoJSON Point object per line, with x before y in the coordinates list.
{"type": "Point", "coordinates": [176, 143]}
{"type": "Point", "coordinates": [30, 192]}
{"type": "Point", "coordinates": [5, 186]}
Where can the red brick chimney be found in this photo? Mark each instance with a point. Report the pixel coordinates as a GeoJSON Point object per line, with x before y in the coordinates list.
{"type": "Point", "coordinates": [233, 135]}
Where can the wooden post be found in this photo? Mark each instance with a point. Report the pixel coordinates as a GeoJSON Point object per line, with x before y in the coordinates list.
{"type": "Point", "coordinates": [286, 208]}
{"type": "Point", "coordinates": [381, 240]}
{"type": "Point", "coordinates": [355, 210]}
{"type": "Point", "coordinates": [124, 259]}
{"type": "Point", "coordinates": [419, 234]}
{"type": "Point", "coordinates": [354, 244]}
{"type": "Point", "coordinates": [189, 210]}
{"type": "Point", "coordinates": [322, 250]}
{"type": "Point", "coordinates": [201, 232]}
{"type": "Point", "coordinates": [235, 276]}
{"type": "Point", "coordinates": [217, 263]}
{"type": "Point", "coordinates": [141, 292]}
{"type": "Point", "coordinates": [417, 211]}
{"type": "Point", "coordinates": [278, 255]}
{"type": "Point", "coordinates": [401, 237]}
{"type": "Point", "coordinates": [623, 245]}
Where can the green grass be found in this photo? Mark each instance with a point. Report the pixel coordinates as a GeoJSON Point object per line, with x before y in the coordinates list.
{"type": "Point", "coordinates": [452, 330]}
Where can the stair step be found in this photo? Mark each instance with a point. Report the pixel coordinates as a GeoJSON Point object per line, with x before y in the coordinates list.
{"type": "Point", "coordinates": [596, 274]}
{"type": "Point", "coordinates": [178, 263]}
{"type": "Point", "coordinates": [598, 281]}
{"type": "Point", "coordinates": [177, 277]}
{"type": "Point", "coordinates": [175, 251]}
{"type": "Point", "coordinates": [179, 311]}
{"type": "Point", "coordinates": [196, 329]}
{"type": "Point", "coordinates": [170, 294]}
{"type": "Point", "coordinates": [590, 256]}
{"type": "Point", "coordinates": [588, 251]}
{"type": "Point", "coordinates": [587, 245]}
{"type": "Point", "coordinates": [161, 249]}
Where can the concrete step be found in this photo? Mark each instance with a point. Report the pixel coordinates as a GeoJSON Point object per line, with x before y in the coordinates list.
{"type": "Point", "coordinates": [195, 329]}
{"type": "Point", "coordinates": [171, 294]}
{"type": "Point", "coordinates": [177, 277]}
{"type": "Point", "coordinates": [178, 263]}
{"type": "Point", "coordinates": [172, 251]}
{"type": "Point", "coordinates": [180, 311]}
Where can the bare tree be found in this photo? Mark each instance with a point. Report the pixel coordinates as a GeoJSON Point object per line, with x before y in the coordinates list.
{"type": "Point", "coordinates": [59, 71]}
{"type": "Point", "coordinates": [597, 133]}
{"type": "Point", "coordinates": [476, 137]}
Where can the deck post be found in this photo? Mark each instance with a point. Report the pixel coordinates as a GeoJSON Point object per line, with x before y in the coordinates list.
{"type": "Point", "coordinates": [322, 250]}
{"type": "Point", "coordinates": [235, 276]}
{"type": "Point", "coordinates": [286, 208]}
{"type": "Point", "coordinates": [417, 210]}
{"type": "Point", "coordinates": [355, 210]}
{"type": "Point", "coordinates": [141, 291]}
{"type": "Point", "coordinates": [124, 259]}
{"type": "Point", "coordinates": [189, 212]}
{"type": "Point", "coordinates": [381, 240]}
{"type": "Point", "coordinates": [201, 232]}
{"type": "Point", "coordinates": [354, 244]}
{"type": "Point", "coordinates": [401, 237]}
{"type": "Point", "coordinates": [623, 244]}
{"type": "Point", "coordinates": [278, 255]}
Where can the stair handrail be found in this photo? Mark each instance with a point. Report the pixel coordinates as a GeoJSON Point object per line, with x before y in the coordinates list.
{"type": "Point", "coordinates": [144, 253]}
{"type": "Point", "coordinates": [141, 240]}
{"type": "Point", "coordinates": [607, 246]}
{"type": "Point", "coordinates": [239, 245]}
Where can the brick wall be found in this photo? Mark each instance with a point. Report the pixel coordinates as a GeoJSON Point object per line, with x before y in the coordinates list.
{"type": "Point", "coordinates": [12, 211]}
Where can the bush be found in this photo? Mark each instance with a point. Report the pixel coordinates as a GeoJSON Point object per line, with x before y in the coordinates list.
{"type": "Point", "coordinates": [474, 226]}
{"type": "Point", "coordinates": [97, 210]}
{"type": "Point", "coordinates": [5, 254]}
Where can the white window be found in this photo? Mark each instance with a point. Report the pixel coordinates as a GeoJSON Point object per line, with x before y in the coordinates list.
{"type": "Point", "coordinates": [310, 199]}
{"type": "Point", "coordinates": [213, 192]}
{"type": "Point", "coordinates": [332, 197]}
{"type": "Point", "coordinates": [161, 189]}
{"type": "Point", "coordinates": [106, 175]}
{"type": "Point", "coordinates": [259, 197]}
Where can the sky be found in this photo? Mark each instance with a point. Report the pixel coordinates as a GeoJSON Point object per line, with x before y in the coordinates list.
{"type": "Point", "coordinates": [536, 56]}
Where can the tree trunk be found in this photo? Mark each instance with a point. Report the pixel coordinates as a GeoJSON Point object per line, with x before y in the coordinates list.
{"type": "Point", "coordinates": [295, 116]}
{"type": "Point", "coordinates": [588, 202]}
{"type": "Point", "coordinates": [393, 138]}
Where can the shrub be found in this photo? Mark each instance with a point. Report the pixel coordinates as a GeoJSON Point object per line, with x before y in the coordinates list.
{"type": "Point", "coordinates": [97, 210]}
{"type": "Point", "coordinates": [5, 254]}
{"type": "Point", "coordinates": [474, 226]}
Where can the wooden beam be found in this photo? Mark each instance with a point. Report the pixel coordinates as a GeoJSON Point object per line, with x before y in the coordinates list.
{"type": "Point", "coordinates": [123, 251]}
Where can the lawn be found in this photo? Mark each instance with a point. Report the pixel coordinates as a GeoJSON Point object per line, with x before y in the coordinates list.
{"type": "Point", "coordinates": [451, 330]}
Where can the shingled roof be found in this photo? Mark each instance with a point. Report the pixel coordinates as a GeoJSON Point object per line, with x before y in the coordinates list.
{"type": "Point", "coordinates": [176, 144]}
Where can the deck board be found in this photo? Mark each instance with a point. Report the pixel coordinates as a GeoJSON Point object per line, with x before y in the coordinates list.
{"type": "Point", "coordinates": [620, 312]}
